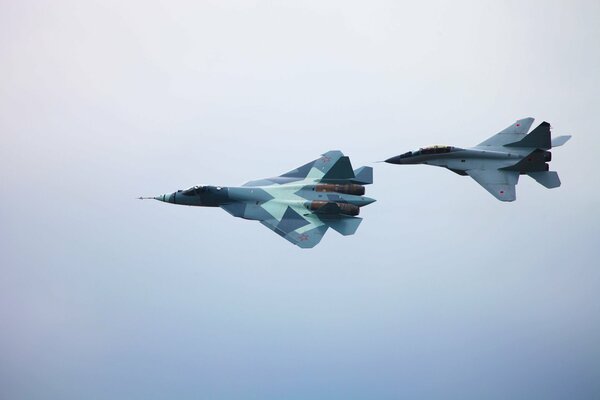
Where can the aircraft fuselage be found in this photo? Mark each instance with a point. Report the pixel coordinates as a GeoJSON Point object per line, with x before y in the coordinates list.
{"type": "Point", "coordinates": [459, 159]}
{"type": "Point", "coordinates": [310, 196]}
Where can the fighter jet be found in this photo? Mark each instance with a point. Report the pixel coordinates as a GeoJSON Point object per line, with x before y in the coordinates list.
{"type": "Point", "coordinates": [299, 205]}
{"type": "Point", "coordinates": [497, 162]}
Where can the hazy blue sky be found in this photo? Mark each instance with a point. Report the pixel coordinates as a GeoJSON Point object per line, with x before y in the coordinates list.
{"type": "Point", "coordinates": [443, 293]}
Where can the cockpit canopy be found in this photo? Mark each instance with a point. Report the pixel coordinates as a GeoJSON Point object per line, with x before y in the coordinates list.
{"type": "Point", "coordinates": [406, 155]}
{"type": "Point", "coordinates": [193, 190]}
{"type": "Point", "coordinates": [435, 149]}
{"type": "Point", "coordinates": [428, 150]}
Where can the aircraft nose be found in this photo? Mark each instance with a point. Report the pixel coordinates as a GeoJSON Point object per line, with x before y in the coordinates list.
{"type": "Point", "coordinates": [395, 160]}
{"type": "Point", "coordinates": [167, 198]}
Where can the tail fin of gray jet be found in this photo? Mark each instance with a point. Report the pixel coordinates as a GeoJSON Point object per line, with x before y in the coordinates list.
{"type": "Point", "coordinates": [533, 162]}
{"type": "Point", "coordinates": [538, 138]}
{"type": "Point", "coordinates": [548, 179]}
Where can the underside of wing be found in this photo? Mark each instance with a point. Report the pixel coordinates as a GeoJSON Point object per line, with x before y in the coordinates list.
{"type": "Point", "coordinates": [501, 184]}
{"type": "Point", "coordinates": [303, 231]}
{"type": "Point", "coordinates": [513, 133]}
{"type": "Point", "coordinates": [293, 223]}
{"type": "Point", "coordinates": [332, 167]}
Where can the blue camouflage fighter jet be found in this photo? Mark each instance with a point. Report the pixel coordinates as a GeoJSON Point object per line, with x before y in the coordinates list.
{"type": "Point", "coordinates": [299, 205]}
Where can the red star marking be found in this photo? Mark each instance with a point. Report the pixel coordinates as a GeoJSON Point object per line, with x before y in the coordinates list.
{"type": "Point", "coordinates": [303, 237]}
{"type": "Point", "coordinates": [325, 159]}
{"type": "Point", "coordinates": [502, 192]}
{"type": "Point", "coordinates": [518, 124]}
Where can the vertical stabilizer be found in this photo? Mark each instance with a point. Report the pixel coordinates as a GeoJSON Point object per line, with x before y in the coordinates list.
{"type": "Point", "coordinates": [539, 138]}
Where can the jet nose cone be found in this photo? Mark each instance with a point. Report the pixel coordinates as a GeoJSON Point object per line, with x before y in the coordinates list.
{"type": "Point", "coordinates": [167, 198]}
{"type": "Point", "coordinates": [394, 160]}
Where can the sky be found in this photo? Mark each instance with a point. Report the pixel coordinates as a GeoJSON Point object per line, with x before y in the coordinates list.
{"type": "Point", "coordinates": [443, 293]}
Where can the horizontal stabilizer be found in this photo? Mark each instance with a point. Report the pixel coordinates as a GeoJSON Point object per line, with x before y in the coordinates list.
{"type": "Point", "coordinates": [363, 176]}
{"type": "Point", "coordinates": [345, 225]}
{"type": "Point", "coordinates": [538, 138]}
{"type": "Point", "coordinates": [548, 179]}
{"type": "Point", "coordinates": [559, 141]}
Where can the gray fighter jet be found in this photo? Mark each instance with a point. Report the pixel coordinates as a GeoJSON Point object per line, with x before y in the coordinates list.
{"type": "Point", "coordinates": [497, 162]}
{"type": "Point", "coordinates": [299, 205]}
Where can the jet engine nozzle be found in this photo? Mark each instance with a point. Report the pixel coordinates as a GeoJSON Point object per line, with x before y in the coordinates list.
{"type": "Point", "coordinates": [349, 188]}
{"type": "Point", "coordinates": [326, 207]}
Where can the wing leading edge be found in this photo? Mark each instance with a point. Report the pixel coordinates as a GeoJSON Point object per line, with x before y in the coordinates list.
{"type": "Point", "coordinates": [331, 167]}
{"type": "Point", "coordinates": [318, 168]}
{"type": "Point", "coordinates": [513, 133]}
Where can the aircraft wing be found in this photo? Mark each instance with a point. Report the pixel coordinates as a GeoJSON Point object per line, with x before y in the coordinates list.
{"type": "Point", "coordinates": [513, 133]}
{"type": "Point", "coordinates": [305, 231]}
{"type": "Point", "coordinates": [295, 223]}
{"type": "Point", "coordinates": [332, 166]}
{"type": "Point", "coordinates": [501, 184]}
